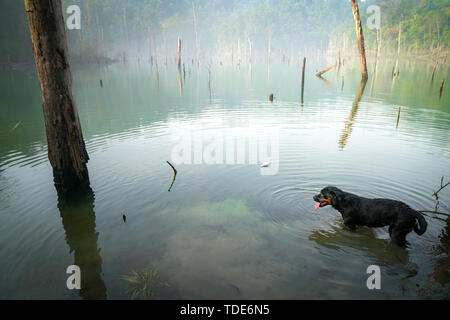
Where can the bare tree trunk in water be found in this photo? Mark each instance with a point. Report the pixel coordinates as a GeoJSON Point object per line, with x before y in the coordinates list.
{"type": "Point", "coordinates": [179, 53]}
{"type": "Point", "coordinates": [66, 149]}
{"type": "Point", "coordinates": [359, 38]}
{"type": "Point", "coordinates": [125, 28]}
{"type": "Point", "coordinates": [197, 46]}
{"type": "Point", "coordinates": [180, 83]}
{"type": "Point", "coordinates": [398, 47]}
{"type": "Point", "coordinates": [269, 45]}
{"type": "Point", "coordinates": [150, 57]}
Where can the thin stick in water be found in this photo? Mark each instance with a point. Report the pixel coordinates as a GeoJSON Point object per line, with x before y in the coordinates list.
{"type": "Point", "coordinates": [432, 74]}
{"type": "Point", "coordinates": [303, 78]}
{"type": "Point", "coordinates": [324, 70]}
{"type": "Point", "coordinates": [174, 174]}
{"type": "Point", "coordinates": [442, 187]}
{"type": "Point", "coordinates": [15, 127]}
{"type": "Point", "coordinates": [437, 212]}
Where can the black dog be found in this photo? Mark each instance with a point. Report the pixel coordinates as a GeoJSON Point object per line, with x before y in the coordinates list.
{"type": "Point", "coordinates": [374, 213]}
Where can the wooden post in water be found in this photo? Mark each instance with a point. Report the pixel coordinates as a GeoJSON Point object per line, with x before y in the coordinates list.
{"type": "Point", "coordinates": [179, 53]}
{"type": "Point", "coordinates": [303, 78]}
{"type": "Point", "coordinates": [339, 56]}
{"type": "Point", "coordinates": [442, 88]}
{"type": "Point", "coordinates": [269, 45]}
{"type": "Point", "coordinates": [66, 148]}
{"type": "Point", "coordinates": [268, 55]}
{"type": "Point", "coordinates": [396, 72]}
{"type": "Point", "coordinates": [180, 81]}
{"type": "Point", "coordinates": [197, 46]}
{"type": "Point", "coordinates": [165, 43]}
{"type": "Point", "coordinates": [376, 62]}
{"type": "Point", "coordinates": [249, 50]}
{"type": "Point", "coordinates": [432, 74]}
{"type": "Point", "coordinates": [239, 54]}
{"type": "Point", "coordinates": [359, 38]}
{"type": "Point", "coordinates": [398, 117]}
{"type": "Point", "coordinates": [157, 71]}
{"type": "Point", "coordinates": [126, 31]}
{"type": "Point", "coordinates": [150, 58]}
{"type": "Point", "coordinates": [399, 38]}
{"type": "Point", "coordinates": [232, 55]}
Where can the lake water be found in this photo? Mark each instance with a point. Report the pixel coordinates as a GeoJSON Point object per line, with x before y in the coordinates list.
{"type": "Point", "coordinates": [228, 228]}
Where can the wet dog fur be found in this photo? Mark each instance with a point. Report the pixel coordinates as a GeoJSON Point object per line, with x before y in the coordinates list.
{"type": "Point", "coordinates": [374, 213]}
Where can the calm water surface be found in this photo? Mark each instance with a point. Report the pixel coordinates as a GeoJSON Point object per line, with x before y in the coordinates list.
{"type": "Point", "coordinates": [227, 231]}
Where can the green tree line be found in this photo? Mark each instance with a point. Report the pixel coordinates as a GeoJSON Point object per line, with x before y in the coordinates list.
{"type": "Point", "coordinates": [146, 27]}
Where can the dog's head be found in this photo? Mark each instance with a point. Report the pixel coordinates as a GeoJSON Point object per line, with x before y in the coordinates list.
{"type": "Point", "coordinates": [329, 196]}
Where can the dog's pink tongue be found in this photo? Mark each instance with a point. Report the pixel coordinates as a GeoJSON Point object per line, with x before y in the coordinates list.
{"type": "Point", "coordinates": [317, 206]}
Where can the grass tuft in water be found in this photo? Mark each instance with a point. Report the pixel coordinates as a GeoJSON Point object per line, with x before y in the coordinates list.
{"type": "Point", "coordinates": [144, 283]}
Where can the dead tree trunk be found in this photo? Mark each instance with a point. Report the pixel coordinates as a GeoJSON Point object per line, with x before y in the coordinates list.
{"type": "Point", "coordinates": [303, 78]}
{"type": "Point", "coordinates": [179, 53]}
{"type": "Point", "coordinates": [125, 28]}
{"type": "Point", "coordinates": [197, 46]}
{"type": "Point", "coordinates": [398, 47]}
{"type": "Point", "coordinates": [66, 149]}
{"type": "Point", "coordinates": [180, 83]}
{"type": "Point", "coordinates": [150, 57]}
{"type": "Point", "coordinates": [232, 55]}
{"type": "Point", "coordinates": [249, 50]}
{"type": "Point", "coordinates": [269, 45]}
{"type": "Point", "coordinates": [359, 38]}
{"type": "Point", "coordinates": [239, 53]}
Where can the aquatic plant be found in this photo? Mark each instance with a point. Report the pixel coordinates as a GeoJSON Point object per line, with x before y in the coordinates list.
{"type": "Point", "coordinates": [144, 283]}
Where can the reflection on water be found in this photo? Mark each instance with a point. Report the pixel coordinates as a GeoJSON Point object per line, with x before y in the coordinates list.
{"type": "Point", "coordinates": [349, 121]}
{"type": "Point", "coordinates": [441, 272]}
{"type": "Point", "coordinates": [381, 251]}
{"type": "Point", "coordinates": [226, 231]}
{"type": "Point", "coordinates": [78, 219]}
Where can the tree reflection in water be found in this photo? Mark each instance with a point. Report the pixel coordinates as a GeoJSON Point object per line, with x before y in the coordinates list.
{"type": "Point", "coordinates": [78, 219]}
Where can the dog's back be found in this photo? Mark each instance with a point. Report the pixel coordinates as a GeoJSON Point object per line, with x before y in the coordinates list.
{"type": "Point", "coordinates": [375, 213]}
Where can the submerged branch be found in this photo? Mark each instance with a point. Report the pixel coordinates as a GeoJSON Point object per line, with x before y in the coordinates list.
{"type": "Point", "coordinates": [432, 217]}
{"type": "Point", "coordinates": [174, 174]}
{"type": "Point", "coordinates": [435, 194]}
{"type": "Point", "coordinates": [15, 127]}
{"type": "Point", "coordinates": [324, 70]}
{"type": "Point", "coordinates": [437, 212]}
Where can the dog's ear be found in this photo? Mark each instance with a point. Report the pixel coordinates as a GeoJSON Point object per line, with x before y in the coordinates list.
{"type": "Point", "coordinates": [336, 196]}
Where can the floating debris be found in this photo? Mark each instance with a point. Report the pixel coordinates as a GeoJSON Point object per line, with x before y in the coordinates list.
{"type": "Point", "coordinates": [265, 164]}
{"type": "Point", "coordinates": [15, 127]}
{"type": "Point", "coordinates": [174, 174]}
{"type": "Point", "coordinates": [324, 70]}
{"type": "Point", "coordinates": [442, 88]}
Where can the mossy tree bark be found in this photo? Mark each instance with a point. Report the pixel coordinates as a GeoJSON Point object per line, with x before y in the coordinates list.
{"type": "Point", "coordinates": [66, 148]}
